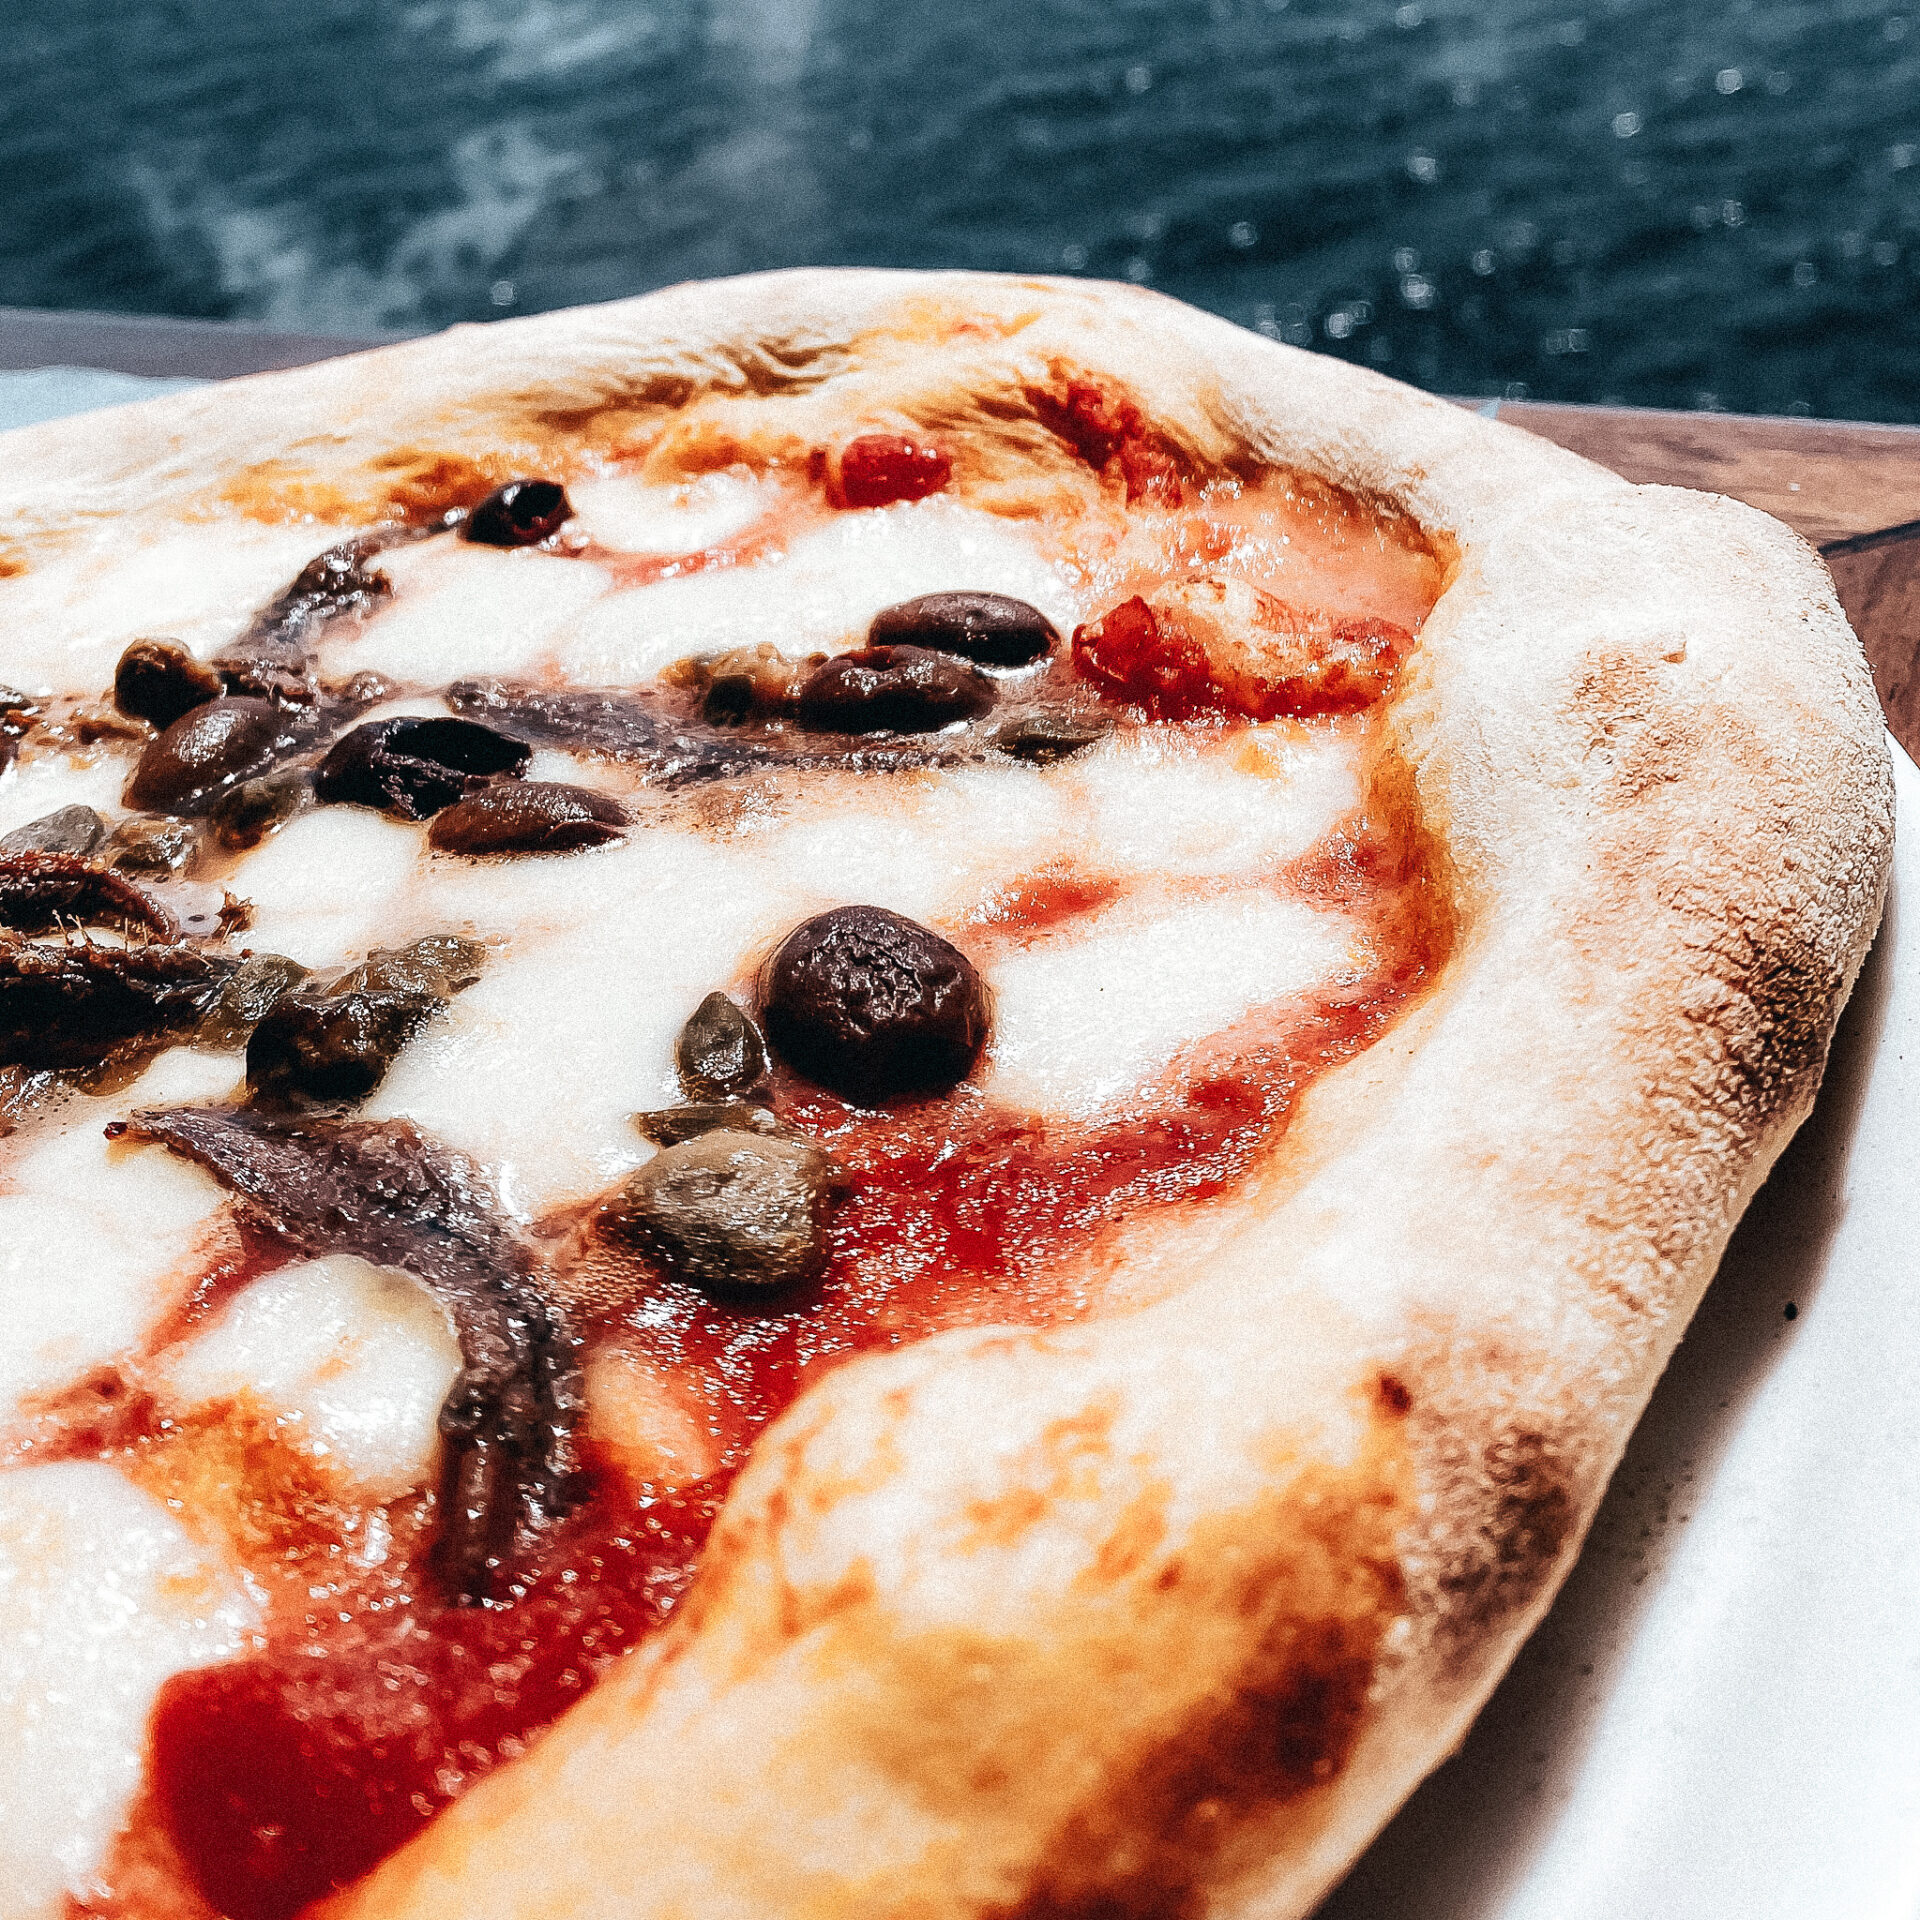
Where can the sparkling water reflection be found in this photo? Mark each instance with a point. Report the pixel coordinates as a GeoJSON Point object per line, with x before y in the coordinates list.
{"type": "Point", "coordinates": [1701, 205]}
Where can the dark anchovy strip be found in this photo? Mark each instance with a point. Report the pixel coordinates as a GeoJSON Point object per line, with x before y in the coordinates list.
{"type": "Point", "coordinates": [270, 660]}
{"type": "Point", "coordinates": [39, 890]}
{"type": "Point", "coordinates": [620, 725]}
{"type": "Point", "coordinates": [398, 1198]}
{"type": "Point", "coordinates": [71, 1005]}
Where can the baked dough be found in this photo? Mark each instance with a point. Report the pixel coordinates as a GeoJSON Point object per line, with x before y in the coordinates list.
{"type": "Point", "coordinates": [1164, 1613]}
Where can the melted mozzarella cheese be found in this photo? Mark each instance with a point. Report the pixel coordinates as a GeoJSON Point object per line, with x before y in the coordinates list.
{"type": "Point", "coordinates": [537, 1069]}
{"type": "Point", "coordinates": [462, 609]}
{"type": "Point", "coordinates": [352, 1360]}
{"type": "Point", "coordinates": [325, 887]}
{"type": "Point", "coordinates": [821, 595]}
{"type": "Point", "coordinates": [631, 516]}
{"type": "Point", "coordinates": [42, 783]}
{"type": "Point", "coordinates": [1085, 1022]}
{"type": "Point", "coordinates": [93, 1234]}
{"type": "Point", "coordinates": [1154, 804]}
{"type": "Point", "coordinates": [70, 616]}
{"type": "Point", "coordinates": [104, 1597]}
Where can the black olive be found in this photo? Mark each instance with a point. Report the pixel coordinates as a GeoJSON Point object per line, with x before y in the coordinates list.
{"type": "Point", "coordinates": [244, 816]}
{"type": "Point", "coordinates": [1046, 737]}
{"type": "Point", "coordinates": [892, 690]}
{"type": "Point", "coordinates": [520, 514]}
{"type": "Point", "coordinates": [332, 1046]}
{"type": "Point", "coordinates": [987, 628]}
{"type": "Point", "coordinates": [206, 752]}
{"type": "Point", "coordinates": [248, 996]}
{"type": "Point", "coordinates": [668, 1126]}
{"type": "Point", "coordinates": [75, 830]}
{"type": "Point", "coordinates": [720, 1053]}
{"type": "Point", "coordinates": [871, 1004]}
{"type": "Point", "coordinates": [532, 816]}
{"type": "Point", "coordinates": [159, 680]}
{"type": "Point", "coordinates": [730, 1209]}
{"type": "Point", "coordinates": [413, 768]}
{"type": "Point", "coordinates": [148, 846]}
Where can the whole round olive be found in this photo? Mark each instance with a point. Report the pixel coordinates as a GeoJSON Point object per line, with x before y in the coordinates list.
{"type": "Point", "coordinates": [204, 752]}
{"type": "Point", "coordinates": [892, 690]}
{"type": "Point", "coordinates": [871, 1004]}
{"type": "Point", "coordinates": [991, 629]}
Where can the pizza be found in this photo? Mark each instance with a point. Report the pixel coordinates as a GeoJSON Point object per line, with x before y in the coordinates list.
{"type": "Point", "coordinates": [853, 1094]}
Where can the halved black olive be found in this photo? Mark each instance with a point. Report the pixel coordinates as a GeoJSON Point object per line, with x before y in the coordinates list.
{"type": "Point", "coordinates": [990, 629]}
{"type": "Point", "coordinates": [441, 963]}
{"type": "Point", "coordinates": [413, 768]}
{"type": "Point", "coordinates": [892, 690]}
{"type": "Point", "coordinates": [720, 1053]}
{"type": "Point", "coordinates": [531, 816]}
{"type": "Point", "coordinates": [74, 830]}
{"type": "Point", "coordinates": [159, 680]}
{"type": "Point", "coordinates": [871, 1004]}
{"type": "Point", "coordinates": [520, 514]}
{"type": "Point", "coordinates": [206, 752]}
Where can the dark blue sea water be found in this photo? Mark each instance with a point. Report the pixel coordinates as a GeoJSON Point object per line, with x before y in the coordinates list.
{"type": "Point", "coordinates": [1694, 203]}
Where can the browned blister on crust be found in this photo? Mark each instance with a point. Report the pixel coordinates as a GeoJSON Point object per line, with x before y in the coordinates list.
{"type": "Point", "coordinates": [1164, 1615]}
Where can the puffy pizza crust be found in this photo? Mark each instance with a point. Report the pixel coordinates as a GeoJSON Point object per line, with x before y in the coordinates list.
{"type": "Point", "coordinates": [1166, 1613]}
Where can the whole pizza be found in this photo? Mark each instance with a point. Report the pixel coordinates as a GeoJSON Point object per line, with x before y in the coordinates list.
{"type": "Point", "coordinates": [852, 1094]}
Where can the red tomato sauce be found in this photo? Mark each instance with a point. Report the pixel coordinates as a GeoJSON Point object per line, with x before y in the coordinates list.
{"type": "Point", "coordinates": [294, 1770]}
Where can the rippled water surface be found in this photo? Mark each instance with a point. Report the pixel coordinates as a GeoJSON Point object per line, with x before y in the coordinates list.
{"type": "Point", "coordinates": [1665, 202]}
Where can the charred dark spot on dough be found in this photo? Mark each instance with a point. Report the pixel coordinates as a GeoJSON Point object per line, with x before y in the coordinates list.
{"type": "Point", "coordinates": [1192, 1710]}
{"type": "Point", "coordinates": [1393, 1394]}
{"type": "Point", "coordinates": [1518, 1490]}
{"type": "Point", "coordinates": [394, 1196]}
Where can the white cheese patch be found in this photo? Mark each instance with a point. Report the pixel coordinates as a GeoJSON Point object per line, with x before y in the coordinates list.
{"type": "Point", "coordinates": [821, 596]}
{"type": "Point", "coordinates": [537, 1069]}
{"type": "Point", "coordinates": [1084, 1022]}
{"type": "Point", "coordinates": [42, 783]}
{"type": "Point", "coordinates": [90, 1231]}
{"type": "Point", "coordinates": [631, 516]}
{"type": "Point", "coordinates": [462, 609]}
{"type": "Point", "coordinates": [329, 884]}
{"type": "Point", "coordinates": [933, 844]}
{"type": "Point", "coordinates": [1154, 804]}
{"type": "Point", "coordinates": [353, 1360]}
{"type": "Point", "coordinates": [69, 618]}
{"type": "Point", "coordinates": [104, 1597]}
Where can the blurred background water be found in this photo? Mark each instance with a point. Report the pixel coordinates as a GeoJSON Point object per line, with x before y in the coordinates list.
{"type": "Point", "coordinates": [1685, 203]}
